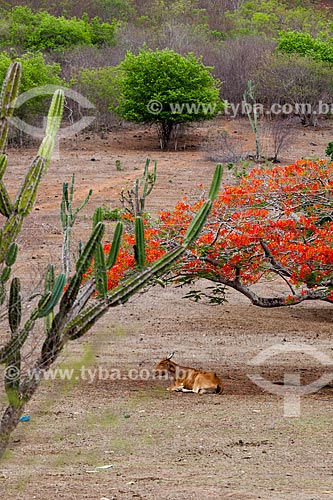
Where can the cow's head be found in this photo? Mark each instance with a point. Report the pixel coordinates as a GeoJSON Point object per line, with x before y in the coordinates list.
{"type": "Point", "coordinates": [166, 365]}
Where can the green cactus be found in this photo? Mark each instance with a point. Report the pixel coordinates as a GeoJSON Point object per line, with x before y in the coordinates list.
{"type": "Point", "coordinates": [139, 248]}
{"type": "Point", "coordinates": [68, 218]}
{"type": "Point", "coordinates": [3, 165]}
{"type": "Point", "coordinates": [9, 93]}
{"type": "Point", "coordinates": [67, 312]}
{"type": "Point", "coordinates": [53, 296]}
{"type": "Point", "coordinates": [114, 251]}
{"type": "Point", "coordinates": [49, 284]}
{"type": "Point", "coordinates": [100, 270]}
{"type": "Point", "coordinates": [11, 254]}
{"type": "Point", "coordinates": [15, 306]}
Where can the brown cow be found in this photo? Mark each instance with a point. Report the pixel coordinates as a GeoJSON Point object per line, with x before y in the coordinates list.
{"type": "Point", "coordinates": [189, 379]}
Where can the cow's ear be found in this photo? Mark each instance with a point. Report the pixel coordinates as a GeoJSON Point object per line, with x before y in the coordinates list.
{"type": "Point", "coordinates": [170, 355]}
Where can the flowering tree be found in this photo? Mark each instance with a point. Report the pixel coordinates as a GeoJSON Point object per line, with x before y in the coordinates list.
{"type": "Point", "coordinates": [275, 223]}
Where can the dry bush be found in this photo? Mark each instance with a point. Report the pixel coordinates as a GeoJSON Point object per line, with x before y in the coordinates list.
{"type": "Point", "coordinates": [222, 147]}
{"type": "Point", "coordinates": [236, 61]}
{"type": "Point", "coordinates": [296, 81]}
{"type": "Point", "coordinates": [74, 60]}
{"type": "Point", "coordinates": [215, 12]}
{"type": "Point", "coordinates": [279, 133]}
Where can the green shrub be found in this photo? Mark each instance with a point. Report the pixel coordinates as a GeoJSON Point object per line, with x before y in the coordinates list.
{"type": "Point", "coordinates": [42, 31]}
{"type": "Point", "coordinates": [267, 17]}
{"type": "Point", "coordinates": [293, 42]}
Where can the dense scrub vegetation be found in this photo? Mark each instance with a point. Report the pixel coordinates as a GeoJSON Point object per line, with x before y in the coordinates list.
{"type": "Point", "coordinates": [285, 48]}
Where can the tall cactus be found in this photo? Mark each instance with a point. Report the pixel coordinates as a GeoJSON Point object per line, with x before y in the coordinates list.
{"type": "Point", "coordinates": [68, 218]}
{"type": "Point", "coordinates": [67, 312]}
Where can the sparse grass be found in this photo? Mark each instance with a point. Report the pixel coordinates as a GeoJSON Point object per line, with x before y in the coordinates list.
{"type": "Point", "coordinates": [103, 419]}
{"type": "Point", "coordinates": [85, 458]}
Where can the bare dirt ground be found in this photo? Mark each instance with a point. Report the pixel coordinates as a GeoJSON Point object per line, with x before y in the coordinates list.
{"type": "Point", "coordinates": [238, 445]}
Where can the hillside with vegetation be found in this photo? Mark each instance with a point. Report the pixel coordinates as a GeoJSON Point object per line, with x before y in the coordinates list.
{"type": "Point", "coordinates": [284, 48]}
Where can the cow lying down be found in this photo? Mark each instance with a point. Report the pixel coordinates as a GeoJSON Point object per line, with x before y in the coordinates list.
{"type": "Point", "coordinates": [189, 379]}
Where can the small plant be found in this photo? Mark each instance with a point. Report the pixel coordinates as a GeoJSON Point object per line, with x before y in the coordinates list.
{"type": "Point", "coordinates": [239, 170]}
{"type": "Point", "coordinates": [329, 150]}
{"type": "Point", "coordinates": [133, 200]}
{"type": "Point", "coordinates": [119, 167]}
{"type": "Point", "coordinates": [112, 214]}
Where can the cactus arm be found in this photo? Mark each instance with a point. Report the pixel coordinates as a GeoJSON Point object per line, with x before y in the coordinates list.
{"type": "Point", "coordinates": [15, 306]}
{"type": "Point", "coordinates": [139, 249]}
{"type": "Point", "coordinates": [68, 218]}
{"type": "Point", "coordinates": [3, 164]}
{"type": "Point", "coordinates": [84, 260]}
{"type": "Point", "coordinates": [27, 195]}
{"type": "Point", "coordinates": [53, 299]}
{"type": "Point", "coordinates": [150, 179]}
{"type": "Point", "coordinates": [10, 89]}
{"type": "Point", "coordinates": [114, 251]}
{"type": "Point", "coordinates": [11, 254]}
{"type": "Point", "coordinates": [216, 182]}
{"type": "Point", "coordinates": [101, 278]}
{"type": "Point", "coordinates": [9, 93]}
{"type": "Point", "coordinates": [49, 284]}
{"type": "Point", "coordinates": [53, 123]}
{"type": "Point", "coordinates": [6, 206]}
{"type": "Point", "coordinates": [83, 204]}
{"type": "Point", "coordinates": [9, 233]}
{"type": "Point", "coordinates": [9, 259]}
{"type": "Point", "coordinates": [194, 229]}
{"type": "Point", "coordinates": [98, 216]}
{"type": "Point", "coordinates": [81, 267]}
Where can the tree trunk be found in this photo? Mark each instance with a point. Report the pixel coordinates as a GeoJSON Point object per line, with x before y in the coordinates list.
{"type": "Point", "coordinates": [165, 130]}
{"type": "Point", "coordinates": [8, 424]}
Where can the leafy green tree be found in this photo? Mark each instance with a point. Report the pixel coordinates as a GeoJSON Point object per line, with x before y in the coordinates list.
{"type": "Point", "coordinates": [164, 88]}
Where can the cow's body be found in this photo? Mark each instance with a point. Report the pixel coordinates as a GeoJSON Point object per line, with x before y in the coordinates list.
{"type": "Point", "coordinates": [189, 379]}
